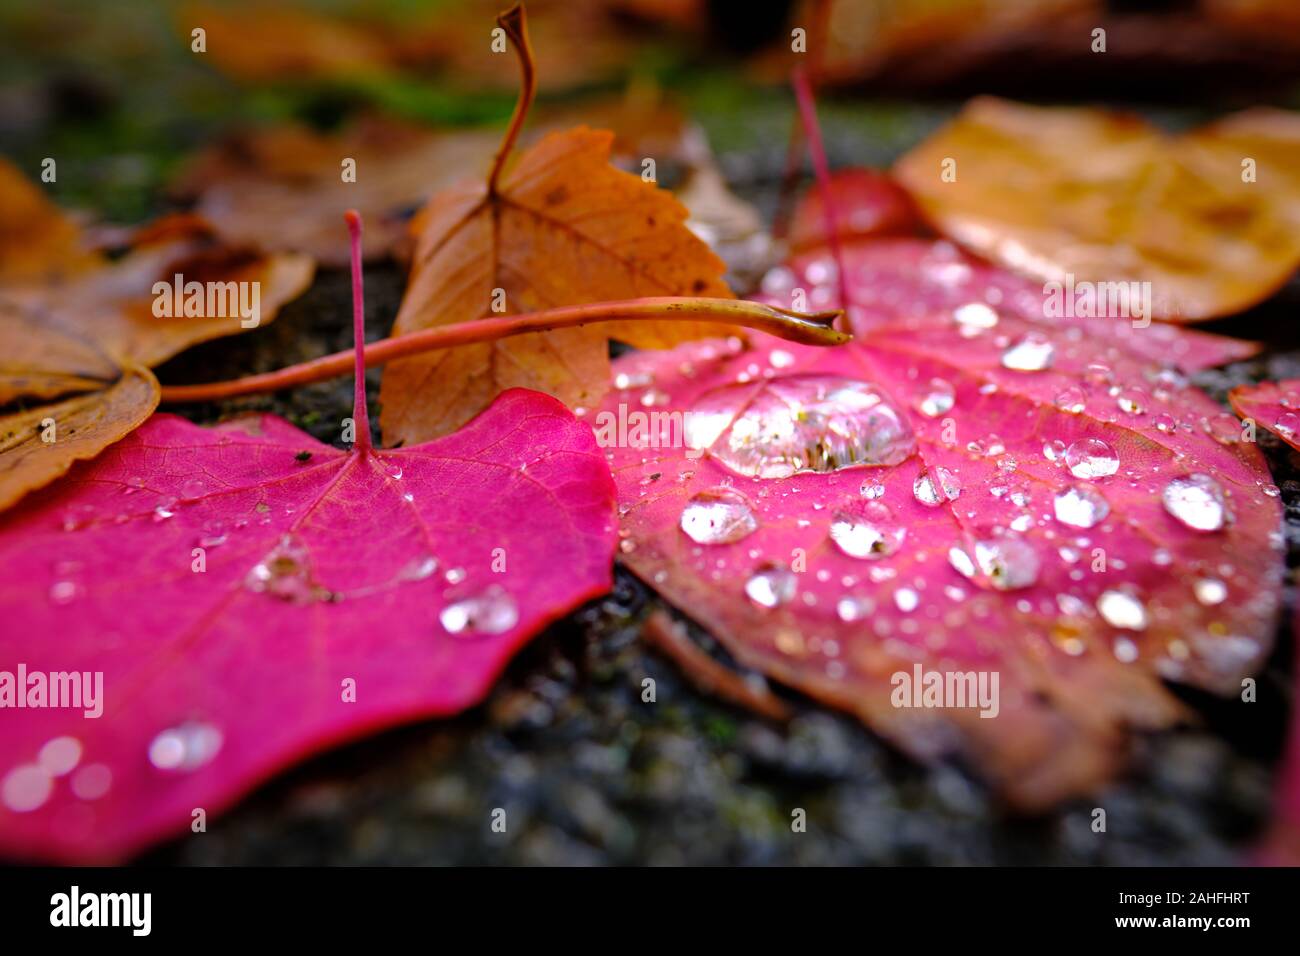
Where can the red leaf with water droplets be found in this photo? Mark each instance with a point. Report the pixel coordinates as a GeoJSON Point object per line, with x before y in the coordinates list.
{"type": "Point", "coordinates": [317, 572]}
{"type": "Point", "coordinates": [251, 596]}
{"type": "Point", "coordinates": [1274, 405]}
{"type": "Point", "coordinates": [968, 488]}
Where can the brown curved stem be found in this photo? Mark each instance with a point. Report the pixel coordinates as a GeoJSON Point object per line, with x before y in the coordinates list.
{"type": "Point", "coordinates": [815, 328]}
{"type": "Point", "coordinates": [515, 23]}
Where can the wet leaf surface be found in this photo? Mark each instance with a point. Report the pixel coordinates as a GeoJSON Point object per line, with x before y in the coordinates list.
{"type": "Point", "coordinates": [1271, 405]}
{"type": "Point", "coordinates": [234, 584]}
{"type": "Point", "coordinates": [964, 488]}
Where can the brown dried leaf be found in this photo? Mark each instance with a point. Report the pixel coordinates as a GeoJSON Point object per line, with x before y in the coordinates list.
{"type": "Point", "coordinates": [1107, 198]}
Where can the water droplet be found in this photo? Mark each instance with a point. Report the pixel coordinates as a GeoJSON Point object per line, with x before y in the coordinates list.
{"type": "Point", "coordinates": [771, 586]}
{"type": "Point", "coordinates": [961, 561]}
{"type": "Point", "coordinates": [933, 494]}
{"type": "Point", "coordinates": [1007, 563]}
{"type": "Point", "coordinates": [185, 747]}
{"type": "Point", "coordinates": [1054, 451]}
{"type": "Point", "coordinates": [906, 600]}
{"type": "Point", "coordinates": [1091, 458]}
{"type": "Point", "coordinates": [799, 423]}
{"type": "Point", "coordinates": [975, 316]}
{"type": "Point", "coordinates": [872, 489]}
{"type": "Point", "coordinates": [285, 573]}
{"type": "Point", "coordinates": [1223, 428]}
{"type": "Point", "coordinates": [718, 516]}
{"type": "Point", "coordinates": [849, 609]}
{"type": "Point", "coordinates": [867, 530]}
{"type": "Point", "coordinates": [165, 508]}
{"type": "Point", "coordinates": [624, 380]}
{"type": "Point", "coordinates": [1210, 591]}
{"type": "Point", "coordinates": [393, 470]}
{"type": "Point", "coordinates": [417, 569]}
{"type": "Point", "coordinates": [214, 534]}
{"type": "Point", "coordinates": [59, 756]}
{"type": "Point", "coordinates": [77, 517]}
{"type": "Point", "coordinates": [193, 488]}
{"type": "Point", "coordinates": [1098, 373]}
{"type": "Point", "coordinates": [493, 612]}
{"type": "Point", "coordinates": [1165, 423]}
{"type": "Point", "coordinates": [1287, 424]}
{"type": "Point", "coordinates": [1080, 506]}
{"type": "Point", "coordinates": [1071, 399]}
{"type": "Point", "coordinates": [1121, 609]}
{"type": "Point", "coordinates": [937, 398]}
{"type": "Point", "coordinates": [64, 592]}
{"type": "Point", "coordinates": [26, 788]}
{"type": "Point", "coordinates": [1132, 401]}
{"type": "Point", "coordinates": [91, 782]}
{"type": "Point", "coordinates": [1126, 652]}
{"type": "Point", "coordinates": [1196, 501]}
{"type": "Point", "coordinates": [1032, 353]}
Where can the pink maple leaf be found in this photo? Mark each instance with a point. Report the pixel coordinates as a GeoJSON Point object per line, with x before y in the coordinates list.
{"type": "Point", "coordinates": [971, 487]}
{"type": "Point", "coordinates": [1273, 405]}
{"type": "Point", "coordinates": [252, 596]}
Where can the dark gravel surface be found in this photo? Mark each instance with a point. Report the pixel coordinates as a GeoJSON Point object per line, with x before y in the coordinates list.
{"type": "Point", "coordinates": [589, 774]}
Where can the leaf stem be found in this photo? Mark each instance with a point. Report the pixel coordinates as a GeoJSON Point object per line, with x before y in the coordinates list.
{"type": "Point", "coordinates": [812, 130]}
{"type": "Point", "coordinates": [816, 328]}
{"type": "Point", "coordinates": [515, 23]}
{"type": "Point", "coordinates": [360, 415]}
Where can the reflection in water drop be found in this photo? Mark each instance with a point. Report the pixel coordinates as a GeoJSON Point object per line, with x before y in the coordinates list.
{"type": "Point", "coordinates": [1071, 399]}
{"type": "Point", "coordinates": [936, 398]}
{"type": "Point", "coordinates": [771, 586]}
{"type": "Point", "coordinates": [64, 592]}
{"type": "Point", "coordinates": [1121, 609]}
{"type": "Point", "coordinates": [906, 600]}
{"type": "Point", "coordinates": [799, 423]}
{"type": "Point", "coordinates": [1007, 563]}
{"type": "Point", "coordinates": [1033, 353]}
{"type": "Point", "coordinates": [493, 612]}
{"type": "Point", "coordinates": [867, 530]}
{"type": "Point", "coordinates": [185, 747]}
{"type": "Point", "coordinates": [932, 492]}
{"type": "Point", "coordinates": [1196, 501]}
{"type": "Point", "coordinates": [193, 488]}
{"type": "Point", "coordinates": [1210, 591]}
{"type": "Point", "coordinates": [1131, 401]}
{"type": "Point", "coordinates": [975, 316]}
{"type": "Point", "coordinates": [718, 516]}
{"type": "Point", "coordinates": [872, 489]}
{"type": "Point", "coordinates": [1080, 506]}
{"type": "Point", "coordinates": [1091, 458]}
{"type": "Point", "coordinates": [285, 573]}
